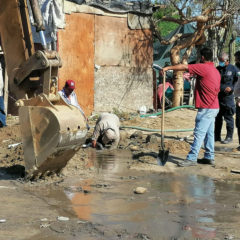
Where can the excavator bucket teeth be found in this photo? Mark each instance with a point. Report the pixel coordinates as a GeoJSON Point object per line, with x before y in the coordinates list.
{"type": "Point", "coordinates": [51, 136]}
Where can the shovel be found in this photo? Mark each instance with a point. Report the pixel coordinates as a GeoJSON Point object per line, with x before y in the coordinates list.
{"type": "Point", "coordinates": [163, 154]}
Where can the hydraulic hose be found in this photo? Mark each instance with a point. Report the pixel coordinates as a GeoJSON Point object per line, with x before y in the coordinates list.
{"type": "Point", "coordinates": [158, 130]}
{"type": "Point", "coordinates": [169, 110]}
{"type": "Point", "coordinates": [159, 113]}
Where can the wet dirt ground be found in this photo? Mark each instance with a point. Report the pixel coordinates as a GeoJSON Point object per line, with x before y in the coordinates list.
{"type": "Point", "coordinates": [95, 195]}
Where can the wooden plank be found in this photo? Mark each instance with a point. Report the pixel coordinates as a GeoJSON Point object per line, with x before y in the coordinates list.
{"type": "Point", "coordinates": [76, 49]}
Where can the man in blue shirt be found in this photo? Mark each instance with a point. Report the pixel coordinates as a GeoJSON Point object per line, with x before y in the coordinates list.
{"type": "Point", "coordinates": [229, 76]}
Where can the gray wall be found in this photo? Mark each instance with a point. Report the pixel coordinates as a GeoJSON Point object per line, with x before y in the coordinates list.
{"type": "Point", "coordinates": [123, 88]}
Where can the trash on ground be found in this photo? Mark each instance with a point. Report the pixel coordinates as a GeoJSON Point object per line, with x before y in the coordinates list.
{"type": "Point", "coordinates": [6, 187]}
{"type": "Point", "coordinates": [45, 225]}
{"type": "Point", "coordinates": [14, 145]}
{"type": "Point", "coordinates": [235, 171]}
{"type": "Point", "coordinates": [83, 222]}
{"type": "Point", "coordinates": [61, 218]}
{"type": "Point", "coordinates": [3, 220]}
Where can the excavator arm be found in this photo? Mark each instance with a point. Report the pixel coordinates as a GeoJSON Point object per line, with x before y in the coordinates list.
{"type": "Point", "coordinates": [52, 130]}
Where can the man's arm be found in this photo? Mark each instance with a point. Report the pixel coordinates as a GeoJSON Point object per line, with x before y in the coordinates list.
{"type": "Point", "coordinates": [179, 67]}
{"type": "Point", "coordinates": [96, 134]}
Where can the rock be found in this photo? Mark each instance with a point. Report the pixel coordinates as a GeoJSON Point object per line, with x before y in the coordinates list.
{"type": "Point", "coordinates": [140, 190]}
{"type": "Point", "coordinates": [134, 148]}
{"type": "Point", "coordinates": [151, 139]}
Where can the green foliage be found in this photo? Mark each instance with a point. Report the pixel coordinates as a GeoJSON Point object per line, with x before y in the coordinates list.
{"type": "Point", "coordinates": [165, 27]}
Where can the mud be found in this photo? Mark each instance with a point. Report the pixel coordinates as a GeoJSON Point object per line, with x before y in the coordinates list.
{"type": "Point", "coordinates": [180, 203]}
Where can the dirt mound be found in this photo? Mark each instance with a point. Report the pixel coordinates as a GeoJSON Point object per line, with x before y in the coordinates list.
{"type": "Point", "coordinates": [177, 146]}
{"type": "Point", "coordinates": [11, 132]}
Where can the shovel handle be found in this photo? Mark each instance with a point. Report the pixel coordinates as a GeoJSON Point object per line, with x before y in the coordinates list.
{"type": "Point", "coordinates": [163, 110]}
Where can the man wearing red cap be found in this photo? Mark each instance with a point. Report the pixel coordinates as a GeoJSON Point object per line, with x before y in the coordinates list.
{"type": "Point", "coordinates": [69, 96]}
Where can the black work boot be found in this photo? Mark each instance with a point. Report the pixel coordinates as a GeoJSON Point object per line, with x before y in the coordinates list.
{"type": "Point", "coordinates": [227, 140]}
{"type": "Point", "coordinates": [229, 137]}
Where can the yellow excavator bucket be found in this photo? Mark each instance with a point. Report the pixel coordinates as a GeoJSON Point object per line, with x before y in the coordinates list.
{"type": "Point", "coordinates": [52, 133]}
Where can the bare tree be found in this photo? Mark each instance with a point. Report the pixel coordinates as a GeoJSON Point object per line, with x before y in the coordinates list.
{"type": "Point", "coordinates": [210, 15]}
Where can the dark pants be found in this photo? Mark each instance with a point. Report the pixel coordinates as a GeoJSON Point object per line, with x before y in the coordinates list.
{"type": "Point", "coordinates": [2, 113]}
{"type": "Point", "coordinates": [238, 121]}
{"type": "Point", "coordinates": [225, 113]}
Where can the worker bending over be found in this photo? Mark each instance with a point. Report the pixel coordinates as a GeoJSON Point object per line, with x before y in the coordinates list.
{"type": "Point", "coordinates": [106, 131]}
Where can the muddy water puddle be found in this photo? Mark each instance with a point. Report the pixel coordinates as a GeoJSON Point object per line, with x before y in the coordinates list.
{"type": "Point", "coordinates": [173, 207]}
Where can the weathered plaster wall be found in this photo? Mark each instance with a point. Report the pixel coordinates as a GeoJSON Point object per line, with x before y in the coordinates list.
{"type": "Point", "coordinates": [122, 88]}
{"type": "Point", "coordinates": [124, 79]}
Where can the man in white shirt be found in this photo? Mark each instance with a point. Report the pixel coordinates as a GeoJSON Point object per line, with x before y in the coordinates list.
{"type": "Point", "coordinates": [106, 131]}
{"type": "Point", "coordinates": [70, 97]}
{"type": "Point", "coordinates": [2, 113]}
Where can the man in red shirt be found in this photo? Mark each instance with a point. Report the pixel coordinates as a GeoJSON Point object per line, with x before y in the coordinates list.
{"type": "Point", "coordinates": [206, 101]}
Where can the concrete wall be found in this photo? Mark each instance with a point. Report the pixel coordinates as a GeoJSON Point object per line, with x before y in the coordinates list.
{"type": "Point", "coordinates": [122, 88]}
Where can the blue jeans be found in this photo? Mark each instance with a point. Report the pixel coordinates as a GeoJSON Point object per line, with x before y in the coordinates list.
{"type": "Point", "coordinates": [2, 113]}
{"type": "Point", "coordinates": [203, 132]}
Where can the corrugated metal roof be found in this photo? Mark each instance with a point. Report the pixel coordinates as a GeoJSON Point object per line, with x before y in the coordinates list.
{"type": "Point", "coordinates": [143, 7]}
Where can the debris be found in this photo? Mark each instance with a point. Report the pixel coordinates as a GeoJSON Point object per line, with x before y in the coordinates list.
{"type": "Point", "coordinates": [14, 145]}
{"type": "Point", "coordinates": [61, 218]}
{"type": "Point", "coordinates": [140, 190]}
{"type": "Point", "coordinates": [86, 191]}
{"type": "Point", "coordinates": [137, 134]}
{"type": "Point", "coordinates": [7, 187]}
{"type": "Point", "coordinates": [83, 222]}
{"type": "Point", "coordinates": [3, 220]}
{"type": "Point", "coordinates": [237, 205]}
{"type": "Point", "coordinates": [229, 236]}
{"type": "Point", "coordinates": [44, 219]}
{"type": "Point", "coordinates": [235, 171]}
{"type": "Point", "coordinates": [45, 225]}
{"type": "Point", "coordinates": [97, 67]}
{"type": "Point", "coordinates": [143, 110]}
{"type": "Point", "coordinates": [152, 139]}
{"type": "Point", "coordinates": [134, 148]}
{"type": "Point", "coordinates": [87, 145]}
